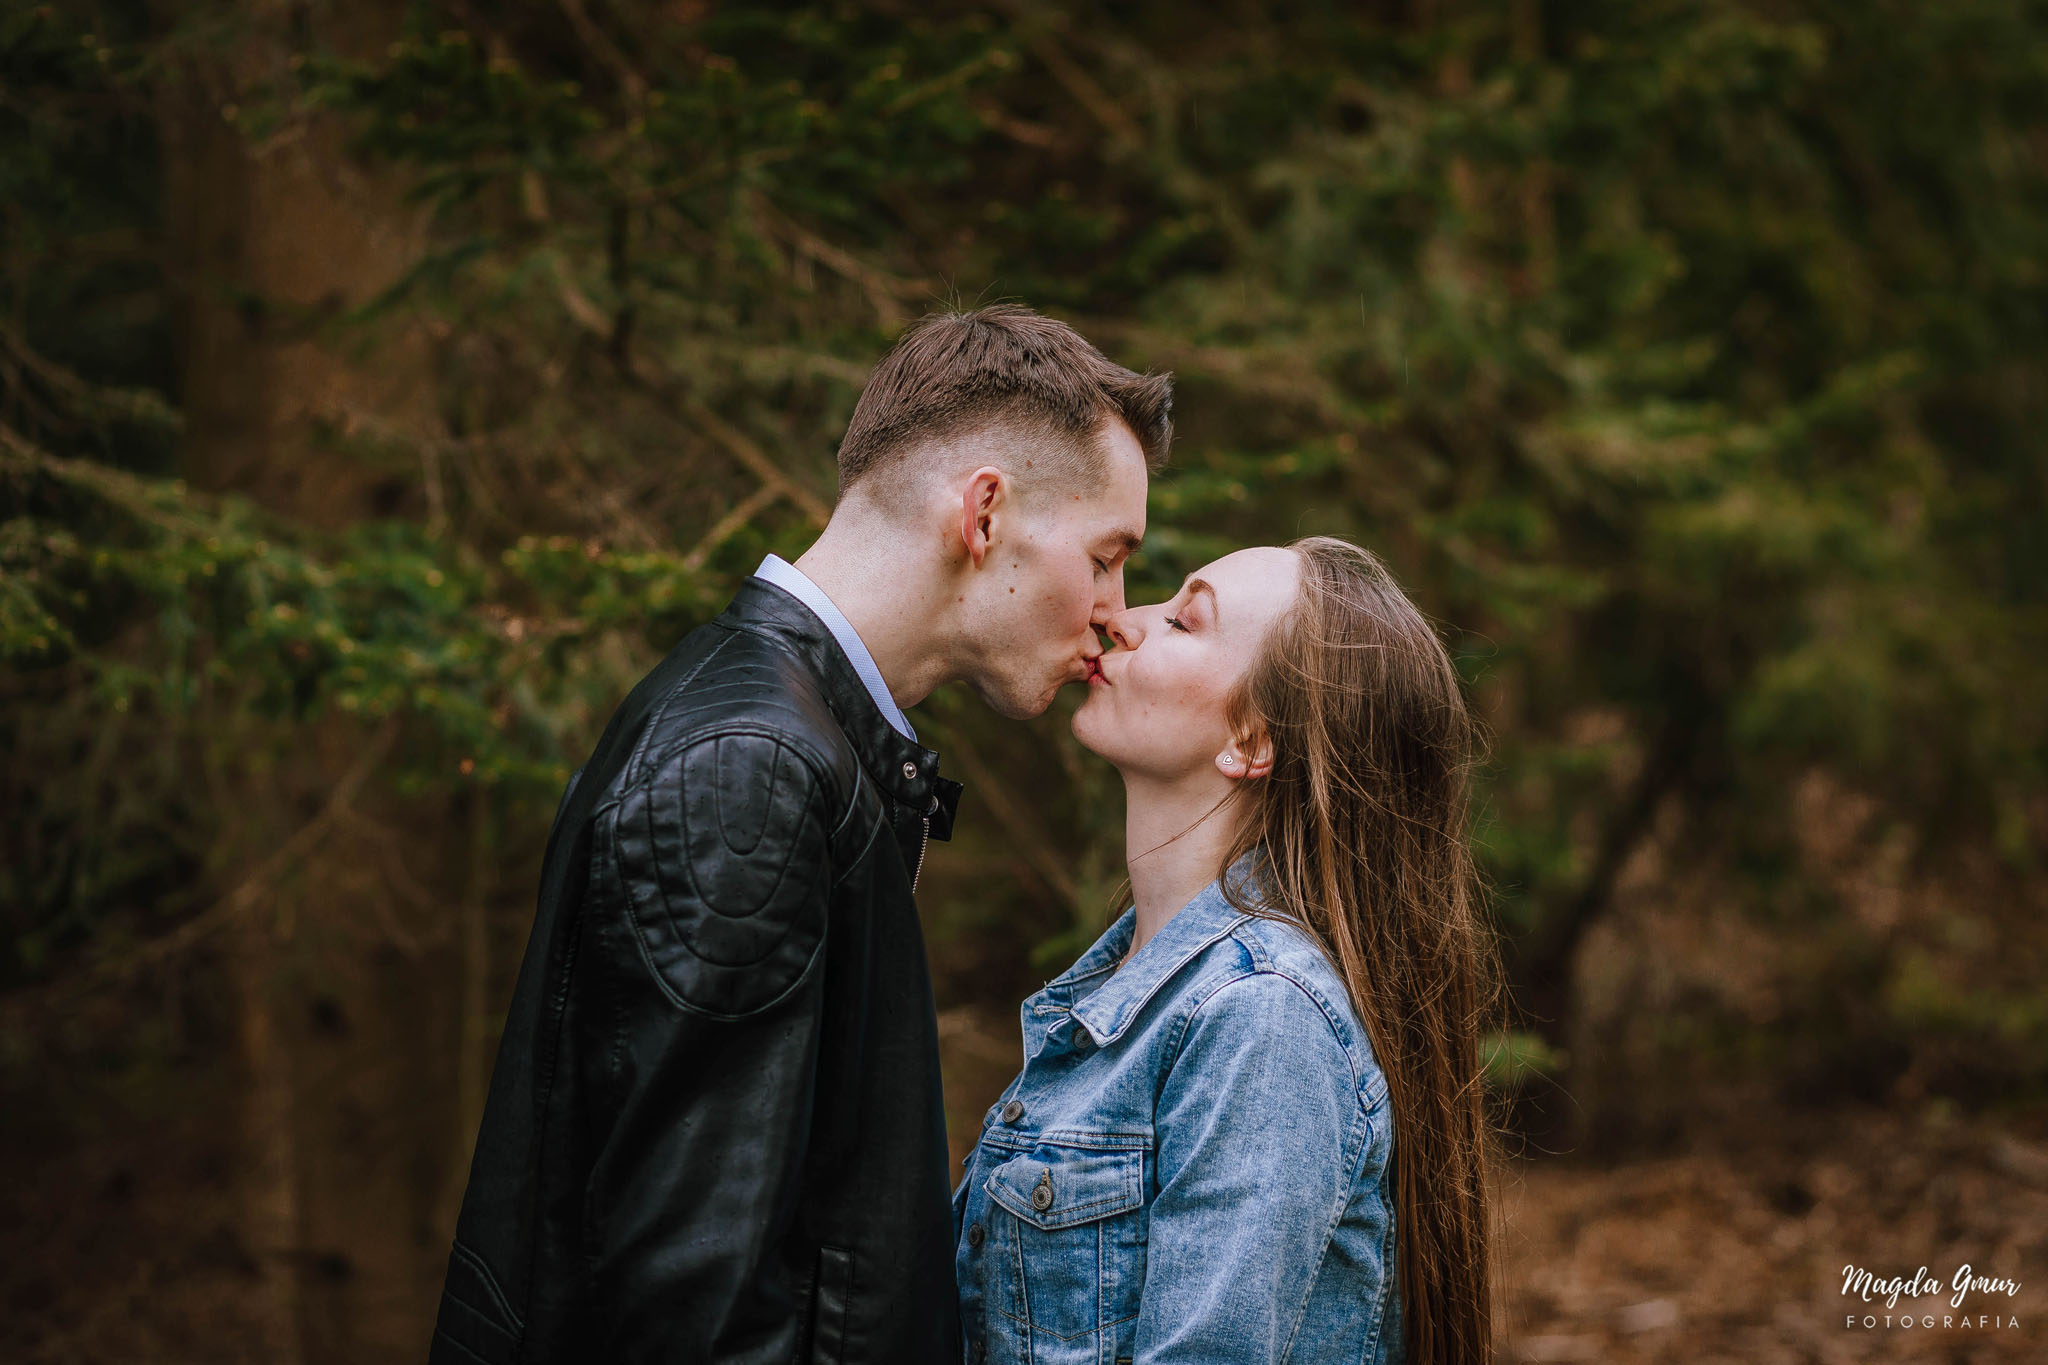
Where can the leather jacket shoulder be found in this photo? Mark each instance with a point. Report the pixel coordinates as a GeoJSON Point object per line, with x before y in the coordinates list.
{"type": "Point", "coordinates": [748, 683]}
{"type": "Point", "coordinates": [723, 821]}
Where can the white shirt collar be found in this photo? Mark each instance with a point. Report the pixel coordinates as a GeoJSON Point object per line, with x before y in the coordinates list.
{"type": "Point", "coordinates": [798, 584]}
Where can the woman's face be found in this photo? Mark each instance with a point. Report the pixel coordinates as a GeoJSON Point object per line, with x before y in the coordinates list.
{"type": "Point", "coordinates": [1155, 700]}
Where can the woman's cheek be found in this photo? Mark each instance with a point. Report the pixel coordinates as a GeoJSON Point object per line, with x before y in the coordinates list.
{"type": "Point", "coordinates": [1198, 699]}
{"type": "Point", "coordinates": [1176, 696]}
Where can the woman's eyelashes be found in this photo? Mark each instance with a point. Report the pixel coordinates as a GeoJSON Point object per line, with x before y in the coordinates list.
{"type": "Point", "coordinates": [1174, 621]}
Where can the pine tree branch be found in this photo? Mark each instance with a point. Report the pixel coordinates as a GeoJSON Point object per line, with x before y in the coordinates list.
{"type": "Point", "coordinates": [647, 375]}
{"type": "Point", "coordinates": [112, 971]}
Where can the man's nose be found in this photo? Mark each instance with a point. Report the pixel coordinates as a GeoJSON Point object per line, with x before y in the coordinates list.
{"type": "Point", "coordinates": [1111, 601]}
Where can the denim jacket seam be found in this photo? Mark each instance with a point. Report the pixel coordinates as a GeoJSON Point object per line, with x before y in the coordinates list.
{"type": "Point", "coordinates": [1069, 1138]}
{"type": "Point", "coordinates": [1272, 968]}
{"type": "Point", "coordinates": [1362, 1079]}
{"type": "Point", "coordinates": [1108, 1201]}
{"type": "Point", "coordinates": [1389, 1243]}
{"type": "Point", "coordinates": [1357, 1146]}
{"type": "Point", "coordinates": [1261, 956]}
{"type": "Point", "coordinates": [1389, 1249]}
{"type": "Point", "coordinates": [1357, 1142]}
{"type": "Point", "coordinates": [1165, 987]}
{"type": "Point", "coordinates": [1083, 976]}
{"type": "Point", "coordinates": [1063, 982]}
{"type": "Point", "coordinates": [1199, 992]}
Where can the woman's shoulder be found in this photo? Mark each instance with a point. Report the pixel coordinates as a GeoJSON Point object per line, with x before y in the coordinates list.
{"type": "Point", "coordinates": [1280, 983]}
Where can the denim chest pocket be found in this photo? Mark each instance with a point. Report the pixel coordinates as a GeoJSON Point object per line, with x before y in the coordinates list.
{"type": "Point", "coordinates": [1069, 1260]}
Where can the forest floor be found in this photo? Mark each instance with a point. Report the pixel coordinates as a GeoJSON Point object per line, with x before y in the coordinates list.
{"type": "Point", "coordinates": [1737, 1252]}
{"type": "Point", "coordinates": [1730, 1249]}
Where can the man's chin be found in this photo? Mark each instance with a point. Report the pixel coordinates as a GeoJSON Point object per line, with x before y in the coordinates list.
{"type": "Point", "coordinates": [1011, 705]}
{"type": "Point", "coordinates": [1015, 704]}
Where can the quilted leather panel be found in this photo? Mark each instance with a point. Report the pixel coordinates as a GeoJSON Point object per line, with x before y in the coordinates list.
{"type": "Point", "coordinates": [722, 852]}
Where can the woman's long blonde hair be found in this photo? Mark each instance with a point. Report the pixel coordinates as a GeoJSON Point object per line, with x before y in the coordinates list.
{"type": "Point", "coordinates": [1363, 830]}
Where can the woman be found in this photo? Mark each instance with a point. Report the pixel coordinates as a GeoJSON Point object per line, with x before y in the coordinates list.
{"type": "Point", "coordinates": [1250, 1124]}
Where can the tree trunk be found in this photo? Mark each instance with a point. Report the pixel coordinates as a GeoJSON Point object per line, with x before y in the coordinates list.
{"type": "Point", "coordinates": [269, 1181]}
{"type": "Point", "coordinates": [342, 1012]}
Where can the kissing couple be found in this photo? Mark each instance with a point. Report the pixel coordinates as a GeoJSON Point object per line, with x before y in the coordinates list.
{"type": "Point", "coordinates": [1249, 1124]}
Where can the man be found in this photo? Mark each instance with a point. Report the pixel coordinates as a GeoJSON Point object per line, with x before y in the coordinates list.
{"type": "Point", "coordinates": [714, 1132]}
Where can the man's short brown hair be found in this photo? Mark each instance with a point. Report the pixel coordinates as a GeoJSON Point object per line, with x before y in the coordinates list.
{"type": "Point", "coordinates": [955, 374]}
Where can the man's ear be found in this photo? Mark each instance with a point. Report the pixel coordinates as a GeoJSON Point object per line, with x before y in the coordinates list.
{"type": "Point", "coordinates": [986, 489]}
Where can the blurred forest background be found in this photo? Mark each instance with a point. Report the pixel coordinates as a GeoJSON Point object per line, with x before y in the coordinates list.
{"type": "Point", "coordinates": [384, 387]}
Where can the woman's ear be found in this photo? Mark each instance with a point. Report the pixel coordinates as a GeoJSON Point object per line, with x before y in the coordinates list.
{"type": "Point", "coordinates": [985, 488]}
{"type": "Point", "coordinates": [1247, 757]}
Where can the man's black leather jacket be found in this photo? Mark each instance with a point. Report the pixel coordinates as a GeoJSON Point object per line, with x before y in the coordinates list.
{"type": "Point", "coordinates": [714, 1132]}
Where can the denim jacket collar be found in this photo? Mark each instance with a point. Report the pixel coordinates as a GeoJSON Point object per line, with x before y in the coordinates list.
{"type": "Point", "coordinates": [1113, 1005]}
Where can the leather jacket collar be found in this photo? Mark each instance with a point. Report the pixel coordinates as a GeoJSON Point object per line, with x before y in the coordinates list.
{"type": "Point", "coordinates": [904, 769]}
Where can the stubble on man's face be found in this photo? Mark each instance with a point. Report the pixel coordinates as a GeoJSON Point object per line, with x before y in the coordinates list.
{"type": "Point", "coordinates": [1061, 590]}
{"type": "Point", "coordinates": [1011, 702]}
{"type": "Point", "coordinates": [1038, 629]}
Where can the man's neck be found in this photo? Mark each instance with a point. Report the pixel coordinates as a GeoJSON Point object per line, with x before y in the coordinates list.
{"type": "Point", "coordinates": [1168, 871]}
{"type": "Point", "coordinates": [889, 600]}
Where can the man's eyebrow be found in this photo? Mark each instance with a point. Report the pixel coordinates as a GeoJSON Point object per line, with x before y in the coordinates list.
{"type": "Point", "coordinates": [1127, 538]}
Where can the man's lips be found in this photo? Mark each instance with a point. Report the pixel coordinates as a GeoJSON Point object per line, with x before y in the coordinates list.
{"type": "Point", "coordinates": [1095, 673]}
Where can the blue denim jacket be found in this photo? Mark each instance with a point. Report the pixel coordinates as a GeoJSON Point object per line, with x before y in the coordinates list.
{"type": "Point", "coordinates": [1192, 1166]}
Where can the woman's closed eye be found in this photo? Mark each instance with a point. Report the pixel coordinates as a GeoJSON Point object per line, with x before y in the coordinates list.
{"type": "Point", "coordinates": [1174, 621]}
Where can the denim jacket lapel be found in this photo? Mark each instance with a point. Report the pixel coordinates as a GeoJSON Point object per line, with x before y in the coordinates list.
{"type": "Point", "coordinates": [1111, 1008]}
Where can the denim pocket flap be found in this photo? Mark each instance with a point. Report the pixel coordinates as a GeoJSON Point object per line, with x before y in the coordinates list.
{"type": "Point", "coordinates": [1057, 1187]}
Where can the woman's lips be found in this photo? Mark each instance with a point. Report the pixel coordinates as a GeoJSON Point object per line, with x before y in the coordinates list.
{"type": "Point", "coordinates": [1095, 674]}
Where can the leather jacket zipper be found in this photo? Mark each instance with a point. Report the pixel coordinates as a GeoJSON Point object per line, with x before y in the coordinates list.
{"type": "Point", "coordinates": [923, 844]}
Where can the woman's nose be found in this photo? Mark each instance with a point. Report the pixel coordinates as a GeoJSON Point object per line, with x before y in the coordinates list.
{"type": "Point", "coordinates": [1124, 629]}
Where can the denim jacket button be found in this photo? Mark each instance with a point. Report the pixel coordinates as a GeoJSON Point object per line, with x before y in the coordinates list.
{"type": "Point", "coordinates": [975, 1235]}
{"type": "Point", "coordinates": [1041, 1193]}
{"type": "Point", "coordinates": [1013, 1111]}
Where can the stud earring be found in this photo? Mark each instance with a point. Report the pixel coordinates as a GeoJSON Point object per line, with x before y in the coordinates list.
{"type": "Point", "coordinates": [1228, 760]}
